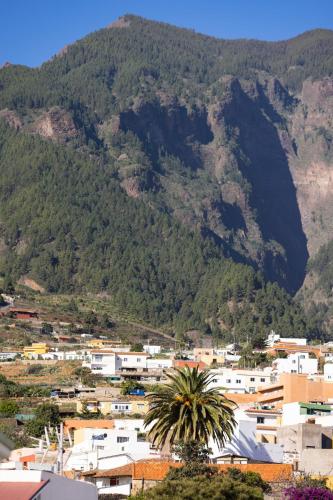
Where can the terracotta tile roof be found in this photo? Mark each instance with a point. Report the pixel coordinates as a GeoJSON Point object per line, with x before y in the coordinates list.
{"type": "Point", "coordinates": [181, 363]}
{"type": "Point", "coordinates": [28, 458]}
{"type": "Point", "coordinates": [76, 423]}
{"type": "Point", "coordinates": [156, 471]}
{"type": "Point", "coordinates": [123, 471]}
{"type": "Point", "coordinates": [20, 491]}
{"type": "Point", "coordinates": [260, 410]}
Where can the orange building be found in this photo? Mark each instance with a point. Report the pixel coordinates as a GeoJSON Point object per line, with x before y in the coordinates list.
{"type": "Point", "coordinates": [293, 387]}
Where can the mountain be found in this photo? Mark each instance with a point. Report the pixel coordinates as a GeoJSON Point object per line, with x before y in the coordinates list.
{"type": "Point", "coordinates": [177, 171]}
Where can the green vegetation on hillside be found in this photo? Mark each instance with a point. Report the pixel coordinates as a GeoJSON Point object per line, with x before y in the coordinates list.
{"type": "Point", "coordinates": [67, 223]}
{"type": "Point", "coordinates": [112, 65]}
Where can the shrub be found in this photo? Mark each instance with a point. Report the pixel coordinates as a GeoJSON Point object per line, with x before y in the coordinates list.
{"type": "Point", "coordinates": [308, 493]}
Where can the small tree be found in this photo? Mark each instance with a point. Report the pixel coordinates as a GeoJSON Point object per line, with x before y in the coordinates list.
{"type": "Point", "coordinates": [87, 414]}
{"type": "Point", "coordinates": [129, 386]}
{"type": "Point", "coordinates": [138, 347]}
{"type": "Point", "coordinates": [45, 414]}
{"type": "Point", "coordinates": [8, 286]}
{"type": "Point", "coordinates": [192, 451]}
{"type": "Point", "coordinates": [106, 322]}
{"type": "Point", "coordinates": [8, 408]}
{"type": "Point", "coordinates": [47, 329]}
{"type": "Point", "coordinates": [72, 306]}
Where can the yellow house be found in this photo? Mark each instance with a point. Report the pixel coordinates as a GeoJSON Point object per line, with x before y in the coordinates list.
{"type": "Point", "coordinates": [34, 350]}
{"type": "Point", "coordinates": [110, 344]}
{"type": "Point", "coordinates": [212, 359]}
{"type": "Point", "coordinates": [208, 356]}
{"type": "Point", "coordinates": [128, 405]}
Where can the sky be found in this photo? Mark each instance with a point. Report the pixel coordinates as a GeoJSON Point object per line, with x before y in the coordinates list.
{"type": "Point", "coordinates": [31, 31]}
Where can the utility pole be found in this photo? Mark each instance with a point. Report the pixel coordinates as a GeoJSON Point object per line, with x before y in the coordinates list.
{"type": "Point", "coordinates": [60, 449]}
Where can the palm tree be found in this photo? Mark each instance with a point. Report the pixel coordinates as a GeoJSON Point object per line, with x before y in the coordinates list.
{"type": "Point", "coordinates": [186, 410]}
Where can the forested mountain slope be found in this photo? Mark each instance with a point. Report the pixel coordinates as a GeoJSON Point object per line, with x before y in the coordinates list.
{"type": "Point", "coordinates": [167, 157]}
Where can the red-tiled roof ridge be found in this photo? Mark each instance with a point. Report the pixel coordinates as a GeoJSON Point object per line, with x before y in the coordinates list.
{"type": "Point", "coordinates": [180, 363]}
{"type": "Point", "coordinates": [24, 490]}
{"type": "Point", "coordinates": [157, 470]}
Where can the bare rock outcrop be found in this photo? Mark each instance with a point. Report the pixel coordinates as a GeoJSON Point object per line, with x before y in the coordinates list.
{"type": "Point", "coordinates": [56, 124]}
{"type": "Point", "coordinates": [12, 118]}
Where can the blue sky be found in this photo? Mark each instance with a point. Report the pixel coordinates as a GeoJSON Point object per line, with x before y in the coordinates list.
{"type": "Point", "coordinates": [31, 31]}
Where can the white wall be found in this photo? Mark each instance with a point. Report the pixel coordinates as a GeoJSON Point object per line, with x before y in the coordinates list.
{"type": "Point", "coordinates": [296, 363]}
{"type": "Point", "coordinates": [240, 381]}
{"type": "Point", "coordinates": [244, 443]}
{"type": "Point", "coordinates": [123, 488]}
{"type": "Point", "coordinates": [130, 360]}
{"type": "Point", "coordinates": [103, 363]}
{"type": "Point", "coordinates": [328, 372]}
{"type": "Point", "coordinates": [158, 363]}
{"type": "Point", "coordinates": [88, 452]}
{"type": "Point", "coordinates": [152, 349]}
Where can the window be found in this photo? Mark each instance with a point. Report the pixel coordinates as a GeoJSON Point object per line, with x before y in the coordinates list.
{"type": "Point", "coordinates": [228, 381]}
{"type": "Point", "coordinates": [252, 389]}
{"type": "Point", "coordinates": [98, 357]}
{"type": "Point", "coordinates": [238, 381]}
{"type": "Point", "coordinates": [294, 361]}
{"type": "Point", "coordinates": [114, 481]}
{"type": "Point", "coordinates": [122, 439]}
{"type": "Point", "coordinates": [260, 420]}
{"type": "Point", "coordinates": [214, 380]}
{"type": "Point", "coordinates": [125, 359]}
{"type": "Point", "coordinates": [252, 379]}
{"type": "Point", "coordinates": [121, 407]}
{"type": "Point", "coordinates": [100, 447]}
{"type": "Point", "coordinates": [302, 356]}
{"type": "Point", "coordinates": [293, 371]}
{"type": "Point", "coordinates": [262, 379]}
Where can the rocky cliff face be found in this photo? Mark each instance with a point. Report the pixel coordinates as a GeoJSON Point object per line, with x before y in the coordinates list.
{"type": "Point", "coordinates": [252, 167]}
{"type": "Point", "coordinates": [256, 168]}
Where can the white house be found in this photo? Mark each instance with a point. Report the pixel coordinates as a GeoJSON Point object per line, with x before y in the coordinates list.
{"type": "Point", "coordinates": [107, 362]}
{"type": "Point", "coordinates": [152, 349]}
{"type": "Point", "coordinates": [42, 485]}
{"type": "Point", "coordinates": [156, 363]}
{"type": "Point", "coordinates": [328, 372]}
{"type": "Point", "coordinates": [240, 381]}
{"type": "Point", "coordinates": [67, 355]}
{"type": "Point", "coordinates": [298, 362]}
{"type": "Point", "coordinates": [9, 356]}
{"type": "Point", "coordinates": [275, 337]}
{"type": "Point", "coordinates": [244, 443]}
{"type": "Point", "coordinates": [108, 448]}
{"type": "Point", "coordinates": [297, 413]}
